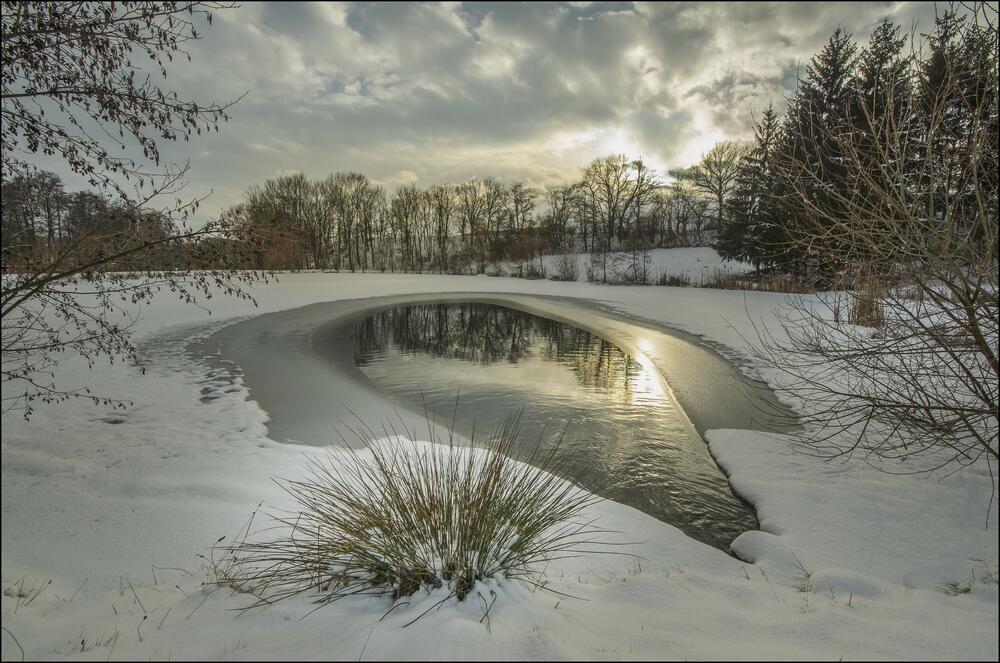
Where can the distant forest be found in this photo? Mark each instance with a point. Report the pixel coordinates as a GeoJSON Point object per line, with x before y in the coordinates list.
{"type": "Point", "coordinates": [761, 202]}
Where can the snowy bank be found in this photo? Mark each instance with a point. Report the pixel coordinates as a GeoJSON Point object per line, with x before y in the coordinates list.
{"type": "Point", "coordinates": [115, 508]}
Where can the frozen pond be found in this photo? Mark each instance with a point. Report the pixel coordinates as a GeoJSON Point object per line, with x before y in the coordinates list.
{"type": "Point", "coordinates": [631, 397]}
{"type": "Point", "coordinates": [626, 438]}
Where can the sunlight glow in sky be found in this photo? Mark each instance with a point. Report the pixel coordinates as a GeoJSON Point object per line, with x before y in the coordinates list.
{"type": "Point", "coordinates": [430, 93]}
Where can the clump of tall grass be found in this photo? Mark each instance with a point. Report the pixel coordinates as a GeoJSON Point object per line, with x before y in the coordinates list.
{"type": "Point", "coordinates": [680, 280]}
{"type": "Point", "coordinates": [398, 517]}
{"type": "Point", "coordinates": [865, 307]}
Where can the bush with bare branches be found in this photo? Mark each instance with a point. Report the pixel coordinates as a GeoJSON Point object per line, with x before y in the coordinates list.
{"type": "Point", "coordinates": [69, 67]}
{"type": "Point", "coordinates": [912, 216]}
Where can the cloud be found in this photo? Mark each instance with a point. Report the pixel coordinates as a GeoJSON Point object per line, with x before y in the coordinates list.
{"type": "Point", "coordinates": [425, 93]}
{"type": "Point", "coordinates": [736, 97]}
{"type": "Point", "coordinates": [402, 177]}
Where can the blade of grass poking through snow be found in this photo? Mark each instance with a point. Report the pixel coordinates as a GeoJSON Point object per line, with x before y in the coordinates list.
{"type": "Point", "coordinates": [398, 517]}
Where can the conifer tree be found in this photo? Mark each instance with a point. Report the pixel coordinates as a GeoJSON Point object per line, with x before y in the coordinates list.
{"type": "Point", "coordinates": [883, 71]}
{"type": "Point", "coordinates": [882, 85]}
{"type": "Point", "coordinates": [956, 103]}
{"type": "Point", "coordinates": [749, 228]}
{"type": "Point", "coordinates": [817, 113]}
{"type": "Point", "coordinates": [880, 109]}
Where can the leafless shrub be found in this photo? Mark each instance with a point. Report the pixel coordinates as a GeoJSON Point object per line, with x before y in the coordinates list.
{"type": "Point", "coordinates": [919, 222]}
{"type": "Point", "coordinates": [595, 267]}
{"type": "Point", "coordinates": [567, 268]}
{"type": "Point", "coordinates": [533, 272]}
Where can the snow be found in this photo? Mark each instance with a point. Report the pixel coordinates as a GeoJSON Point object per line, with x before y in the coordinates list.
{"type": "Point", "coordinates": [849, 562]}
{"type": "Point", "coordinates": [698, 264]}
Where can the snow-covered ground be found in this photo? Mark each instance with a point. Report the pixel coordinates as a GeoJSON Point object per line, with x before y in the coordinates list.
{"type": "Point", "coordinates": [696, 264]}
{"type": "Point", "coordinates": [115, 508]}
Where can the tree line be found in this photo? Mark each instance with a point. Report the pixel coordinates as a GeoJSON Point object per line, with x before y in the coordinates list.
{"type": "Point", "coordinates": [40, 216]}
{"type": "Point", "coordinates": [897, 118]}
{"type": "Point", "coordinates": [43, 224]}
{"type": "Point", "coordinates": [350, 222]}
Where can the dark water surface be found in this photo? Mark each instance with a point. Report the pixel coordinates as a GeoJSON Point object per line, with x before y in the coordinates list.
{"type": "Point", "coordinates": [627, 436]}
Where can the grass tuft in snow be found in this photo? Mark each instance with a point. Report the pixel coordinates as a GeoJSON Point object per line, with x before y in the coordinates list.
{"type": "Point", "coordinates": [398, 517]}
{"type": "Point", "coordinates": [865, 307]}
{"type": "Point", "coordinates": [25, 594]}
{"type": "Point", "coordinates": [956, 588]}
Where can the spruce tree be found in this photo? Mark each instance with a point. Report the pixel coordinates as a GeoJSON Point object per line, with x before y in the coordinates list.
{"type": "Point", "coordinates": [882, 122]}
{"type": "Point", "coordinates": [808, 159]}
{"type": "Point", "coordinates": [882, 85]}
{"type": "Point", "coordinates": [956, 104]}
{"type": "Point", "coordinates": [749, 227]}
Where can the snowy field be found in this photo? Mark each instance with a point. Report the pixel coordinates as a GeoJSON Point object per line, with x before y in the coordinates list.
{"type": "Point", "coordinates": [698, 264]}
{"type": "Point", "coordinates": [105, 515]}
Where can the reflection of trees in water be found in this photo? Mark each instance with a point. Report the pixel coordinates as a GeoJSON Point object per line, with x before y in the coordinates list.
{"type": "Point", "coordinates": [621, 448]}
{"type": "Point", "coordinates": [487, 334]}
{"type": "Point", "coordinates": [598, 363]}
{"type": "Point", "coordinates": [471, 332]}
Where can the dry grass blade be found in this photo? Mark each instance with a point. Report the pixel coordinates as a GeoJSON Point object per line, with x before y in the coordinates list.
{"type": "Point", "coordinates": [398, 517]}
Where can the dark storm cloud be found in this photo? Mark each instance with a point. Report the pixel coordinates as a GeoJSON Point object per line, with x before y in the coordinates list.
{"type": "Point", "coordinates": [427, 93]}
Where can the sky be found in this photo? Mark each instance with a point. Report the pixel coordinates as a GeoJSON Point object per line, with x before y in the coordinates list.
{"type": "Point", "coordinates": [430, 93]}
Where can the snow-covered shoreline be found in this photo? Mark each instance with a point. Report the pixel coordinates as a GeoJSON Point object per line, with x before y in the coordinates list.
{"type": "Point", "coordinates": [96, 497]}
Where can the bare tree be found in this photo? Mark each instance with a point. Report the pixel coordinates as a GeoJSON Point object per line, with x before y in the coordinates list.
{"type": "Point", "coordinates": [284, 209]}
{"type": "Point", "coordinates": [521, 241]}
{"type": "Point", "coordinates": [905, 367]}
{"type": "Point", "coordinates": [687, 208]}
{"type": "Point", "coordinates": [442, 204]}
{"type": "Point", "coordinates": [558, 221]}
{"type": "Point", "coordinates": [472, 219]}
{"type": "Point", "coordinates": [614, 184]}
{"type": "Point", "coordinates": [715, 175]}
{"type": "Point", "coordinates": [494, 201]}
{"type": "Point", "coordinates": [404, 210]}
{"type": "Point", "coordinates": [68, 75]}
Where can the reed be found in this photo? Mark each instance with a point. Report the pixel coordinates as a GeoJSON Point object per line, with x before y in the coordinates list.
{"type": "Point", "coordinates": [396, 517]}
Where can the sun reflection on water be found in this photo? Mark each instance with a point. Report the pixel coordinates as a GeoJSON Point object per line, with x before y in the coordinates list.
{"type": "Point", "coordinates": [646, 384]}
{"type": "Point", "coordinates": [627, 438]}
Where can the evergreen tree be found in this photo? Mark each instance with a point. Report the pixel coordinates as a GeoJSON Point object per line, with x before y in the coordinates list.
{"type": "Point", "coordinates": [956, 103]}
{"type": "Point", "coordinates": [882, 80]}
{"type": "Point", "coordinates": [749, 227]}
{"type": "Point", "coordinates": [883, 90]}
{"type": "Point", "coordinates": [881, 120]}
{"type": "Point", "coordinates": [808, 157]}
